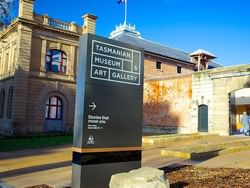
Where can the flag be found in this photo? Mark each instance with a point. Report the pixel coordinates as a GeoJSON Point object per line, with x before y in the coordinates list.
{"type": "Point", "coordinates": [121, 1]}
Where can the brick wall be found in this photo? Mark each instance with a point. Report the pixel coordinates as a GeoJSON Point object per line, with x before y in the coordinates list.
{"type": "Point", "coordinates": [167, 103]}
{"type": "Point", "coordinates": [168, 67]}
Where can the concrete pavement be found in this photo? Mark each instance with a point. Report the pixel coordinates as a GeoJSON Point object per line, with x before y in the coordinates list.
{"type": "Point", "coordinates": [52, 166]}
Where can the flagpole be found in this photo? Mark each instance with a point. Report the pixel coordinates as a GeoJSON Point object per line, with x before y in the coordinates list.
{"type": "Point", "coordinates": [125, 19]}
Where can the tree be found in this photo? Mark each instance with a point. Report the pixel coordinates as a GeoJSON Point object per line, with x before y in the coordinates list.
{"type": "Point", "coordinates": [7, 11]}
{"type": "Point", "coordinates": [5, 8]}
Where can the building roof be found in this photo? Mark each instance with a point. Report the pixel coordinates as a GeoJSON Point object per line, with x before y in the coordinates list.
{"type": "Point", "coordinates": [128, 34]}
{"type": "Point", "coordinates": [214, 65]}
{"type": "Point", "coordinates": [202, 52]}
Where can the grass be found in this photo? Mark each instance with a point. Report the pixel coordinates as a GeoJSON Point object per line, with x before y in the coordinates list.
{"type": "Point", "coordinates": [12, 144]}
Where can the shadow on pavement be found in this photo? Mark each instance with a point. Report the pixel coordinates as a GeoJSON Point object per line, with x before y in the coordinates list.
{"type": "Point", "coordinates": [31, 152]}
{"type": "Point", "coordinates": [173, 167]}
{"type": "Point", "coordinates": [179, 184]}
{"type": "Point", "coordinates": [33, 169]}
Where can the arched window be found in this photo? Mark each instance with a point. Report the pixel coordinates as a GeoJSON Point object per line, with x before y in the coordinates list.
{"type": "Point", "coordinates": [9, 104]}
{"type": "Point", "coordinates": [54, 108]}
{"type": "Point", "coordinates": [2, 97]}
{"type": "Point", "coordinates": [56, 61]}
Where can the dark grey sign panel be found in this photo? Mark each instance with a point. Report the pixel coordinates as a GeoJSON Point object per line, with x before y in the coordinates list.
{"type": "Point", "coordinates": [108, 114]}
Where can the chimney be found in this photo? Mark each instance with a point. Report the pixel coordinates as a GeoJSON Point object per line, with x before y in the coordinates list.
{"type": "Point", "coordinates": [89, 23]}
{"type": "Point", "coordinates": [26, 8]}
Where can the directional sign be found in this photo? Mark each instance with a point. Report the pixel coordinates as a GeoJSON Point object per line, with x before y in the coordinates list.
{"type": "Point", "coordinates": [108, 114]}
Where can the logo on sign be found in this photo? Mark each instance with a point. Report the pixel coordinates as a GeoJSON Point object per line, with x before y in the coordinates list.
{"type": "Point", "coordinates": [91, 140]}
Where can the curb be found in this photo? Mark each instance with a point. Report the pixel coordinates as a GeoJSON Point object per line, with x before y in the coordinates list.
{"type": "Point", "coordinates": [207, 151]}
{"type": "Point", "coordinates": [173, 138]}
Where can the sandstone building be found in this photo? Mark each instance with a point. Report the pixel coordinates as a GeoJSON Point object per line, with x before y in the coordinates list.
{"type": "Point", "coordinates": [38, 59]}
{"type": "Point", "coordinates": [38, 62]}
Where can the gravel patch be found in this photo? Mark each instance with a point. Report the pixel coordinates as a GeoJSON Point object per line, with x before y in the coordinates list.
{"type": "Point", "coordinates": [195, 177]}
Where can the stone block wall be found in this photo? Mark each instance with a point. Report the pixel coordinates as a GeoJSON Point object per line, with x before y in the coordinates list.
{"type": "Point", "coordinates": [40, 89]}
{"type": "Point", "coordinates": [202, 95]}
{"type": "Point", "coordinates": [213, 88]}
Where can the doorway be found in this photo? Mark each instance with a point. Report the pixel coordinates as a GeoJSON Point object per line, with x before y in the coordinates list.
{"type": "Point", "coordinates": [239, 103]}
{"type": "Point", "coordinates": [203, 118]}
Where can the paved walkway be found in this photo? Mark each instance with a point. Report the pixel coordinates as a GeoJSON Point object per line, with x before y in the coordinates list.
{"type": "Point", "coordinates": [52, 166]}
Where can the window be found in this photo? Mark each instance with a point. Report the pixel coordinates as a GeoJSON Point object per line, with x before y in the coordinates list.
{"type": "Point", "coordinates": [1, 66]}
{"type": "Point", "coordinates": [179, 69]}
{"type": "Point", "coordinates": [56, 61]}
{"type": "Point", "coordinates": [2, 96]}
{"type": "Point", "coordinates": [6, 63]}
{"type": "Point", "coordinates": [9, 105]}
{"type": "Point", "coordinates": [54, 108]}
{"type": "Point", "coordinates": [158, 65]}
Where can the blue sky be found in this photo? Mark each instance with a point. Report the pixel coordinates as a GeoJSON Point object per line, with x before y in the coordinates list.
{"type": "Point", "coordinates": [221, 27]}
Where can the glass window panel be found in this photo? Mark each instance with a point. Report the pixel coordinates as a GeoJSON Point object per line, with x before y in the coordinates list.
{"type": "Point", "coordinates": [59, 102]}
{"type": "Point", "coordinates": [55, 63]}
{"type": "Point", "coordinates": [53, 100]}
{"type": "Point", "coordinates": [55, 52]}
{"type": "Point", "coordinates": [47, 103]}
{"type": "Point", "coordinates": [55, 68]}
{"type": "Point", "coordinates": [59, 112]}
{"type": "Point", "coordinates": [64, 62]}
{"type": "Point", "coordinates": [52, 114]}
{"type": "Point", "coordinates": [48, 52]}
{"type": "Point", "coordinates": [55, 58]}
{"type": "Point", "coordinates": [46, 112]}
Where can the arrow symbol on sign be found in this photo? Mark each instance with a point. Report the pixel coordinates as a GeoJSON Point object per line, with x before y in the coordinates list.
{"type": "Point", "coordinates": [93, 106]}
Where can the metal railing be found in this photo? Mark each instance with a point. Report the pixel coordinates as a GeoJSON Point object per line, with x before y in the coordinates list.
{"type": "Point", "coordinates": [59, 24]}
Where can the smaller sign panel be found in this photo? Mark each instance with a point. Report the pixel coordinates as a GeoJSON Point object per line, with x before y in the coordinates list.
{"type": "Point", "coordinates": [114, 63]}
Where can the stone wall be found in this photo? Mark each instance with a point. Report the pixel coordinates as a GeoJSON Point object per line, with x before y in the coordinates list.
{"type": "Point", "coordinates": [38, 93]}
{"type": "Point", "coordinates": [202, 95]}
{"type": "Point", "coordinates": [213, 88]}
{"type": "Point", "coordinates": [20, 84]}
{"type": "Point", "coordinates": [167, 104]}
